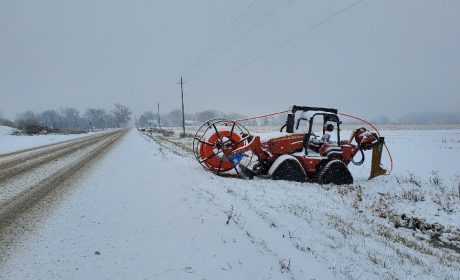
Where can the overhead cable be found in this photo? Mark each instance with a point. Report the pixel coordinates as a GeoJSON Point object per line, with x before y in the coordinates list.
{"type": "Point", "coordinates": [241, 37]}
{"type": "Point", "coordinates": [281, 45]}
{"type": "Point", "coordinates": [253, 6]}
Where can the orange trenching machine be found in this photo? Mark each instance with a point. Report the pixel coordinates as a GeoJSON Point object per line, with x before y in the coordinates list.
{"type": "Point", "coordinates": [225, 146]}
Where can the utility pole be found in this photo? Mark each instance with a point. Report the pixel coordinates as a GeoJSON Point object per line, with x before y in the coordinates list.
{"type": "Point", "coordinates": [150, 119]}
{"type": "Point", "coordinates": [159, 119]}
{"type": "Point", "coordinates": [183, 114]}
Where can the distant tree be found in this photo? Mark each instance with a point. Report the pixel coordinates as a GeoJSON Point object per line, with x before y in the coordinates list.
{"type": "Point", "coordinates": [50, 118]}
{"type": "Point", "coordinates": [251, 123]}
{"type": "Point", "coordinates": [28, 115]}
{"type": "Point", "coordinates": [70, 119]}
{"type": "Point", "coordinates": [279, 120]}
{"type": "Point", "coordinates": [174, 117]}
{"type": "Point", "coordinates": [122, 115]}
{"type": "Point", "coordinates": [97, 118]}
{"type": "Point", "coordinates": [142, 121]}
{"type": "Point", "coordinates": [5, 121]}
{"type": "Point", "coordinates": [148, 119]}
{"type": "Point", "coordinates": [29, 123]}
{"type": "Point", "coordinates": [165, 121]}
{"type": "Point", "coordinates": [190, 116]}
{"type": "Point", "coordinates": [381, 120]}
{"type": "Point", "coordinates": [208, 114]}
{"type": "Point", "coordinates": [265, 121]}
{"type": "Point", "coordinates": [234, 116]}
{"type": "Point", "coordinates": [430, 118]}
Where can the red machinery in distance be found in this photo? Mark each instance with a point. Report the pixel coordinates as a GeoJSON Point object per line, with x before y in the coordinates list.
{"type": "Point", "coordinates": [223, 145]}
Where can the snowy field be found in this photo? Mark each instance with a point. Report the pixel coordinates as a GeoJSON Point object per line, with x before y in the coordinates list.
{"type": "Point", "coordinates": [147, 210]}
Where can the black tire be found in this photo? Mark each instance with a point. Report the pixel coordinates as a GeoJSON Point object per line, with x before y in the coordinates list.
{"type": "Point", "coordinates": [289, 170]}
{"type": "Point", "coordinates": [335, 172]}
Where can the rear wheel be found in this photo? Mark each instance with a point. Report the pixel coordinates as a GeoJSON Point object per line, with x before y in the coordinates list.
{"type": "Point", "coordinates": [335, 172]}
{"type": "Point", "coordinates": [289, 170]}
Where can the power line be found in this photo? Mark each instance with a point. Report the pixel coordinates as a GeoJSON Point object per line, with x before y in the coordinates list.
{"type": "Point", "coordinates": [253, 6]}
{"type": "Point", "coordinates": [241, 37]}
{"type": "Point", "coordinates": [183, 111]}
{"type": "Point", "coordinates": [168, 91]}
{"type": "Point", "coordinates": [281, 45]}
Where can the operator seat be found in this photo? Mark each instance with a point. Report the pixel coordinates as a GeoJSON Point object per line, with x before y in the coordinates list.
{"type": "Point", "coordinates": [311, 144]}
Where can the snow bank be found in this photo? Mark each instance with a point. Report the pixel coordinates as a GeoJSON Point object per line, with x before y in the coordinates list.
{"type": "Point", "coordinates": [5, 130]}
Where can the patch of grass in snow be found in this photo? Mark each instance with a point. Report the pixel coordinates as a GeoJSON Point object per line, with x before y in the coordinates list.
{"type": "Point", "coordinates": [457, 184]}
{"type": "Point", "coordinates": [300, 211]}
{"type": "Point", "coordinates": [435, 179]}
{"type": "Point", "coordinates": [358, 197]}
{"type": "Point", "coordinates": [179, 144]}
{"type": "Point", "coordinates": [344, 190]}
{"type": "Point", "coordinates": [413, 195]}
{"type": "Point", "coordinates": [396, 237]}
{"type": "Point", "coordinates": [301, 248]}
{"type": "Point", "coordinates": [392, 238]}
{"type": "Point", "coordinates": [231, 192]}
{"type": "Point", "coordinates": [265, 216]}
{"type": "Point", "coordinates": [445, 201]}
{"type": "Point", "coordinates": [411, 179]}
{"type": "Point", "coordinates": [285, 265]}
{"type": "Point", "coordinates": [160, 140]}
{"type": "Point", "coordinates": [397, 241]}
{"type": "Point", "coordinates": [344, 227]}
{"type": "Point", "coordinates": [374, 258]}
{"type": "Point", "coordinates": [434, 190]}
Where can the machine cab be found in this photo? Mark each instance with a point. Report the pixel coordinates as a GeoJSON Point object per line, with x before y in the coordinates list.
{"type": "Point", "coordinates": [322, 131]}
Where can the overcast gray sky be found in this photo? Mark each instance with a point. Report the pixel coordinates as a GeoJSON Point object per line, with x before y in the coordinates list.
{"type": "Point", "coordinates": [378, 58]}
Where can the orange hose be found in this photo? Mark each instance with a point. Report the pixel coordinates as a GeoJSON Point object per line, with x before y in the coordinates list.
{"type": "Point", "coordinates": [378, 133]}
{"type": "Point", "coordinates": [263, 116]}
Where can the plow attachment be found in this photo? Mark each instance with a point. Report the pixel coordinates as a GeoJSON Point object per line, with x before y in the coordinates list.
{"type": "Point", "coordinates": [376, 166]}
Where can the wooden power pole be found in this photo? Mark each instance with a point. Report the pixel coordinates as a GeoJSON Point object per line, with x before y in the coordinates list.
{"type": "Point", "coordinates": [159, 119]}
{"type": "Point", "coordinates": [183, 114]}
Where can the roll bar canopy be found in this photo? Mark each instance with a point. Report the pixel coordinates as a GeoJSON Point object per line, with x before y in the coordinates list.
{"type": "Point", "coordinates": [296, 108]}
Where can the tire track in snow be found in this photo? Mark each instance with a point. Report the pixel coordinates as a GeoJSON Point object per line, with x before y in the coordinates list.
{"type": "Point", "coordinates": [27, 161]}
{"type": "Point", "coordinates": [37, 148]}
{"type": "Point", "coordinates": [26, 196]}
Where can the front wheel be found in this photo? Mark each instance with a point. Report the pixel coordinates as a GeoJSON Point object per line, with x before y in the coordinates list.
{"type": "Point", "coordinates": [335, 172]}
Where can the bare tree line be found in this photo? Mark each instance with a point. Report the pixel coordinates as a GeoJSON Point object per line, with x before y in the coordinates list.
{"type": "Point", "coordinates": [174, 118]}
{"type": "Point", "coordinates": [70, 120]}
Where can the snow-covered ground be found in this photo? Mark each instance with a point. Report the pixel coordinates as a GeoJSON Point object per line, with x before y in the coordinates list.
{"type": "Point", "coordinates": [421, 198]}
{"type": "Point", "coordinates": [148, 210]}
{"type": "Point", "coordinates": [9, 142]}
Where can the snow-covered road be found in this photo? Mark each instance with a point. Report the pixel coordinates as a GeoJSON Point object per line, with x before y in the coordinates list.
{"type": "Point", "coordinates": [147, 210]}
